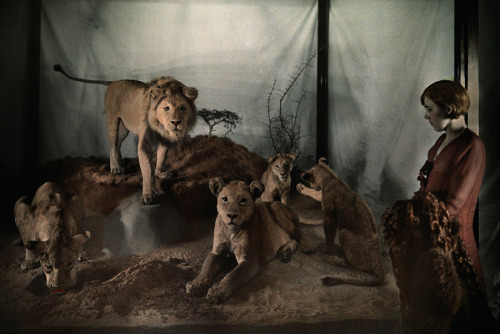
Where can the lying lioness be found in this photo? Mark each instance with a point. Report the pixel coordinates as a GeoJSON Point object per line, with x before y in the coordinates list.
{"type": "Point", "coordinates": [254, 233]}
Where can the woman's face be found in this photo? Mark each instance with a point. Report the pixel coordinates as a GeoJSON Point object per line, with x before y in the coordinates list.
{"type": "Point", "coordinates": [435, 115]}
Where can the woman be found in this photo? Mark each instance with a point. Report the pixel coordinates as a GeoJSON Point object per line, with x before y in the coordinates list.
{"type": "Point", "coordinates": [455, 164]}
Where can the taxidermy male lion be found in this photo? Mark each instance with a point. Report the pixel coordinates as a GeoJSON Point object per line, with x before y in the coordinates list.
{"type": "Point", "coordinates": [344, 210]}
{"type": "Point", "coordinates": [49, 228]}
{"type": "Point", "coordinates": [161, 113]}
{"type": "Point", "coordinates": [254, 233]}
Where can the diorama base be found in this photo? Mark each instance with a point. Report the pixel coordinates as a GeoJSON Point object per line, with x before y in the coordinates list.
{"type": "Point", "coordinates": [137, 284]}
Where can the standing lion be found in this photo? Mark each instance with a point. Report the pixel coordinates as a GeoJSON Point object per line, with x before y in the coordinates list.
{"type": "Point", "coordinates": [161, 113]}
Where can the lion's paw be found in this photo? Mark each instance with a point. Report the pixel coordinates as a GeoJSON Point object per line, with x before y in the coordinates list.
{"type": "Point", "coordinates": [118, 170]}
{"type": "Point", "coordinates": [197, 288]}
{"type": "Point", "coordinates": [307, 246]}
{"type": "Point", "coordinates": [300, 187]}
{"type": "Point", "coordinates": [217, 294]}
{"type": "Point", "coordinates": [286, 251]}
{"type": "Point", "coordinates": [164, 175]}
{"type": "Point", "coordinates": [30, 264]}
{"type": "Point", "coordinates": [150, 199]}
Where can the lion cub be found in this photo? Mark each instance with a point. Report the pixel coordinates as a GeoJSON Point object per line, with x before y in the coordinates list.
{"type": "Point", "coordinates": [276, 178]}
{"type": "Point", "coordinates": [253, 233]}
{"type": "Point", "coordinates": [345, 210]}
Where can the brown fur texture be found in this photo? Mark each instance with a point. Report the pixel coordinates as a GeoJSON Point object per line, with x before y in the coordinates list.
{"type": "Point", "coordinates": [344, 210]}
{"type": "Point", "coordinates": [161, 112]}
{"type": "Point", "coordinates": [276, 178]}
{"type": "Point", "coordinates": [439, 290]}
{"type": "Point", "coordinates": [49, 227]}
{"type": "Point", "coordinates": [254, 233]}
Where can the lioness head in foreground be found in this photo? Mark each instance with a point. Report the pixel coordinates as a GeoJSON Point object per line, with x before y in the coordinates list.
{"type": "Point", "coordinates": [58, 259]}
{"type": "Point", "coordinates": [49, 229]}
{"type": "Point", "coordinates": [235, 200]}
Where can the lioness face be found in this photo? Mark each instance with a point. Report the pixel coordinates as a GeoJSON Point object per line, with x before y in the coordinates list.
{"type": "Point", "coordinates": [175, 117]}
{"type": "Point", "coordinates": [235, 204]}
{"type": "Point", "coordinates": [235, 200]}
{"type": "Point", "coordinates": [58, 259]}
{"type": "Point", "coordinates": [281, 165]}
{"type": "Point", "coordinates": [59, 268]}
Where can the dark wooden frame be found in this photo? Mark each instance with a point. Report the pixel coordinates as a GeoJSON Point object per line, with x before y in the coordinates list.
{"type": "Point", "coordinates": [322, 79]}
{"type": "Point", "coordinates": [31, 119]}
{"type": "Point", "coordinates": [467, 54]}
{"type": "Point", "coordinates": [467, 67]}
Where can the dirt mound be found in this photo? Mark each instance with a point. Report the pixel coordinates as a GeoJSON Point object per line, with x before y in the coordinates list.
{"type": "Point", "coordinates": [149, 283]}
{"type": "Point", "coordinates": [192, 164]}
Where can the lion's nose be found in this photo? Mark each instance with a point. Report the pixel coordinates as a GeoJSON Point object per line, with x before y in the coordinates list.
{"type": "Point", "coordinates": [175, 123]}
{"type": "Point", "coordinates": [232, 216]}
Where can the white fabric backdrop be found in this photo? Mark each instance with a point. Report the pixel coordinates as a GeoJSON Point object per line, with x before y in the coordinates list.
{"type": "Point", "coordinates": [382, 56]}
{"type": "Point", "coordinates": [231, 50]}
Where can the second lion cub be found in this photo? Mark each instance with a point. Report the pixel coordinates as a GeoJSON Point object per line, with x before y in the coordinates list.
{"type": "Point", "coordinates": [276, 178]}
{"type": "Point", "coordinates": [344, 210]}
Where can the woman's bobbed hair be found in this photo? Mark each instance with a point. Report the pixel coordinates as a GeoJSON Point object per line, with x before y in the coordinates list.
{"type": "Point", "coordinates": [450, 96]}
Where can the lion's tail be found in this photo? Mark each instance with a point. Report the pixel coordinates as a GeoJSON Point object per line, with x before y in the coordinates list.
{"type": "Point", "coordinates": [58, 68]}
{"type": "Point", "coordinates": [354, 278]}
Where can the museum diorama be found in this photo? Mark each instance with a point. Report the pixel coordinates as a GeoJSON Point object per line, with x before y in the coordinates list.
{"type": "Point", "coordinates": [231, 166]}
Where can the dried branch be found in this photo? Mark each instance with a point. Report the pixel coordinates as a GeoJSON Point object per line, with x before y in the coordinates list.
{"type": "Point", "coordinates": [283, 129]}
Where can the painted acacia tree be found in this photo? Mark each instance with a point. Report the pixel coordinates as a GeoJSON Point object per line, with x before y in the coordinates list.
{"type": "Point", "coordinates": [228, 119]}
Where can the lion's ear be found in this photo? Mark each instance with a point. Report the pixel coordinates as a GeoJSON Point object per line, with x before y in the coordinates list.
{"type": "Point", "coordinates": [291, 156]}
{"type": "Point", "coordinates": [22, 213]}
{"type": "Point", "coordinates": [256, 189]}
{"type": "Point", "coordinates": [190, 92]}
{"type": "Point", "coordinates": [216, 184]}
{"type": "Point", "coordinates": [156, 92]}
{"type": "Point", "coordinates": [271, 159]}
{"type": "Point", "coordinates": [323, 161]}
